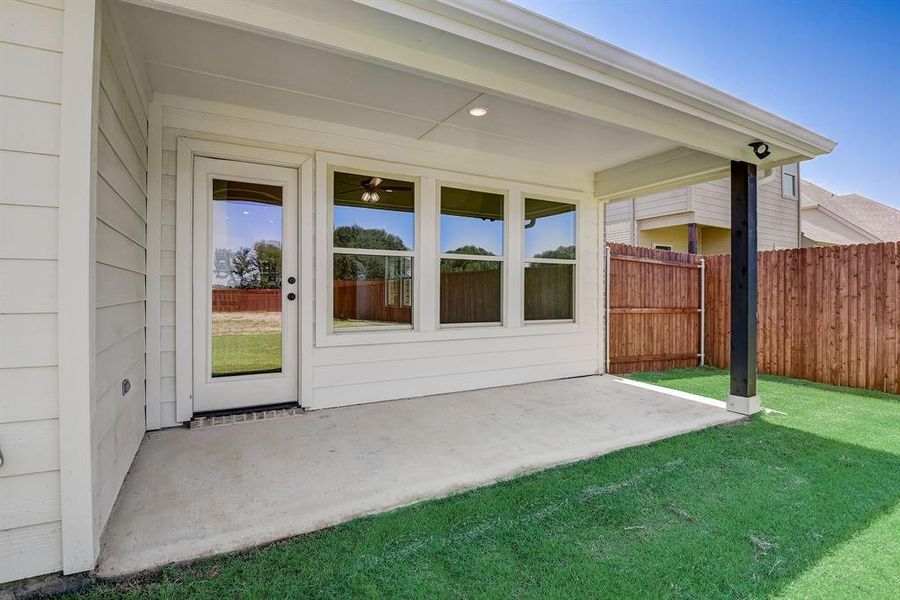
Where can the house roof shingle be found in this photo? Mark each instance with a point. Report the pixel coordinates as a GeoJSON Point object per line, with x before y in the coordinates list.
{"type": "Point", "coordinates": [875, 218]}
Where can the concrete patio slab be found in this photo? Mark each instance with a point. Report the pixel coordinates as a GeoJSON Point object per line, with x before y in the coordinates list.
{"type": "Point", "coordinates": [196, 493]}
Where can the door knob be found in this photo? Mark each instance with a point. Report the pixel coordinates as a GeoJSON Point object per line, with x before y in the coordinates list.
{"type": "Point", "coordinates": [291, 296]}
{"type": "Point", "coordinates": [292, 280]}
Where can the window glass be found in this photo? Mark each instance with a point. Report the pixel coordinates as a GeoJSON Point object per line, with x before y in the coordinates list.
{"type": "Point", "coordinates": [549, 229]}
{"type": "Point", "coordinates": [549, 291]}
{"type": "Point", "coordinates": [245, 260]}
{"type": "Point", "coordinates": [375, 213]}
{"type": "Point", "coordinates": [372, 291]}
{"type": "Point", "coordinates": [789, 181]}
{"type": "Point", "coordinates": [471, 222]}
{"type": "Point", "coordinates": [471, 291]}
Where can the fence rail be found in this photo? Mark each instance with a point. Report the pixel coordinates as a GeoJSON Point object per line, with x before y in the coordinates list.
{"type": "Point", "coordinates": [654, 309]}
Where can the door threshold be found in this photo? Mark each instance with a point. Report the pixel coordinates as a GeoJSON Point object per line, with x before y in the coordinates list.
{"type": "Point", "coordinates": [244, 415]}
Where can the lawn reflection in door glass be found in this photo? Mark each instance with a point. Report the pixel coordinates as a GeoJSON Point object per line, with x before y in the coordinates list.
{"type": "Point", "coordinates": [246, 275]}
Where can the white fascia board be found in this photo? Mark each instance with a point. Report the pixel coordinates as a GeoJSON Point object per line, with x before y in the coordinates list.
{"type": "Point", "coordinates": [677, 121]}
{"type": "Point", "coordinates": [678, 168]}
{"type": "Point", "coordinates": [514, 28]}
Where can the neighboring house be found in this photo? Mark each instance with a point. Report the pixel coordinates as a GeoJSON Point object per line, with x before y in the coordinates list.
{"type": "Point", "coordinates": [370, 162]}
{"type": "Point", "coordinates": [702, 213]}
{"type": "Point", "coordinates": [827, 219]}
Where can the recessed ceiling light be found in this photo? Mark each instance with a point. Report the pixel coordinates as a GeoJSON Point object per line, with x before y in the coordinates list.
{"type": "Point", "coordinates": [478, 111]}
{"type": "Point", "coordinates": [246, 212]}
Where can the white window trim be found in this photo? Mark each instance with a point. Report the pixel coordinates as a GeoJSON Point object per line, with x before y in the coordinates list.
{"type": "Point", "coordinates": [331, 249]}
{"type": "Point", "coordinates": [505, 290]}
{"type": "Point", "coordinates": [663, 246]}
{"type": "Point", "coordinates": [187, 149]}
{"type": "Point", "coordinates": [426, 255]}
{"type": "Point", "coordinates": [579, 244]}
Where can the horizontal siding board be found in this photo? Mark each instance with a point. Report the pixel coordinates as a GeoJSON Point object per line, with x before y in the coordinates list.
{"type": "Point", "coordinates": [115, 323]}
{"type": "Point", "coordinates": [114, 132]}
{"type": "Point", "coordinates": [471, 363]}
{"type": "Point", "coordinates": [28, 232]}
{"type": "Point", "coordinates": [124, 76]}
{"type": "Point", "coordinates": [28, 340]}
{"type": "Point", "coordinates": [31, 25]}
{"type": "Point", "coordinates": [29, 126]}
{"type": "Point", "coordinates": [113, 89]}
{"type": "Point", "coordinates": [116, 213]}
{"type": "Point", "coordinates": [28, 286]}
{"type": "Point", "coordinates": [29, 179]}
{"type": "Point", "coordinates": [118, 286]}
{"type": "Point", "coordinates": [30, 551]}
{"type": "Point", "coordinates": [30, 73]}
{"type": "Point", "coordinates": [117, 250]}
{"type": "Point", "coordinates": [113, 362]}
{"type": "Point", "coordinates": [29, 447]}
{"type": "Point", "coordinates": [116, 175]}
{"type": "Point", "coordinates": [111, 403]}
{"type": "Point", "coordinates": [29, 394]}
{"type": "Point", "coordinates": [374, 392]}
{"type": "Point", "coordinates": [29, 499]}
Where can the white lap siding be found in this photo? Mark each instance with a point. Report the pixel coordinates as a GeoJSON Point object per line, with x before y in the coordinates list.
{"type": "Point", "coordinates": [121, 239]}
{"type": "Point", "coordinates": [31, 40]}
{"type": "Point", "coordinates": [344, 375]}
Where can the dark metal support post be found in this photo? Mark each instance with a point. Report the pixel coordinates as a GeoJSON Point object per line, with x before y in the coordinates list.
{"type": "Point", "coordinates": [743, 398]}
{"type": "Point", "coordinates": [692, 238]}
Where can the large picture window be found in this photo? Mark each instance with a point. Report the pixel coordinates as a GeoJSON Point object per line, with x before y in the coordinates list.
{"type": "Point", "coordinates": [373, 241]}
{"type": "Point", "coordinates": [550, 260]}
{"type": "Point", "coordinates": [471, 281]}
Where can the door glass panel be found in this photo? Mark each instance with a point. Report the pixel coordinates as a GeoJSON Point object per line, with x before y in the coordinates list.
{"type": "Point", "coordinates": [246, 278]}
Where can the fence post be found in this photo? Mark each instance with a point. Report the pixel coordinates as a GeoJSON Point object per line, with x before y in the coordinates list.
{"type": "Point", "coordinates": [606, 300]}
{"type": "Point", "coordinates": [702, 311]}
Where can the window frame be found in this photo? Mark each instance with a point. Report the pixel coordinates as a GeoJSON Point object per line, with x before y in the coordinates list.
{"type": "Point", "coordinates": [317, 259]}
{"type": "Point", "coordinates": [333, 250]}
{"type": "Point", "coordinates": [795, 176]}
{"type": "Point", "coordinates": [440, 184]}
{"type": "Point", "coordinates": [553, 261]}
{"type": "Point", "coordinates": [666, 247]}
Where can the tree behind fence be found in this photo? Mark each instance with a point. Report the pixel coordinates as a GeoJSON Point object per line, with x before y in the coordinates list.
{"type": "Point", "coordinates": [827, 314]}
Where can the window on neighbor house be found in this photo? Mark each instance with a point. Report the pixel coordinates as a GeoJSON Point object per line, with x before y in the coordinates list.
{"type": "Point", "coordinates": [373, 242]}
{"type": "Point", "coordinates": [471, 258]}
{"type": "Point", "coordinates": [789, 177]}
{"type": "Point", "coordinates": [667, 247]}
{"type": "Point", "coordinates": [549, 260]}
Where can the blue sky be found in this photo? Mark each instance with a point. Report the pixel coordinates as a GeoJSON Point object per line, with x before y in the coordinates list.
{"type": "Point", "coordinates": [831, 66]}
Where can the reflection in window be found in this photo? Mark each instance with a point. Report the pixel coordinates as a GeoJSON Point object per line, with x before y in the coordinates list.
{"type": "Point", "coordinates": [550, 260]}
{"type": "Point", "coordinates": [373, 241]}
{"type": "Point", "coordinates": [471, 256]}
{"type": "Point", "coordinates": [549, 229]}
{"type": "Point", "coordinates": [372, 291]}
{"type": "Point", "coordinates": [789, 181]}
{"type": "Point", "coordinates": [246, 278]}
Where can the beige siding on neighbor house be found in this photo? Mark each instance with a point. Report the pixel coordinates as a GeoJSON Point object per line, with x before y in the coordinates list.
{"type": "Point", "coordinates": [620, 226]}
{"type": "Point", "coordinates": [660, 218]}
{"type": "Point", "coordinates": [31, 40]}
{"type": "Point", "coordinates": [117, 419]}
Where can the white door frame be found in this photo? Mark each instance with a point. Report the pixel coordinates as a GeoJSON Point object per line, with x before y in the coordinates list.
{"type": "Point", "coordinates": [188, 148]}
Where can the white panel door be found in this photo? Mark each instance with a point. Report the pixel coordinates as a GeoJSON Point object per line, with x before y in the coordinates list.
{"type": "Point", "coordinates": [244, 285]}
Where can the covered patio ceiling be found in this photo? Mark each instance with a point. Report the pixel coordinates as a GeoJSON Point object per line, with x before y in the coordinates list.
{"type": "Point", "coordinates": [412, 70]}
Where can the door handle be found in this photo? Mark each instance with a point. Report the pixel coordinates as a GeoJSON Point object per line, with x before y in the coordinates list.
{"type": "Point", "coordinates": [292, 296]}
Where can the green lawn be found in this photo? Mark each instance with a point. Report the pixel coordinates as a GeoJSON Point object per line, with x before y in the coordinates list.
{"type": "Point", "coordinates": [801, 505]}
{"type": "Point", "coordinates": [246, 353]}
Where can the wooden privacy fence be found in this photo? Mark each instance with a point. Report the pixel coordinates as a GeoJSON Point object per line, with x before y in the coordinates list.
{"type": "Point", "coordinates": [654, 310]}
{"type": "Point", "coordinates": [827, 314]}
{"type": "Point", "coordinates": [239, 300]}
